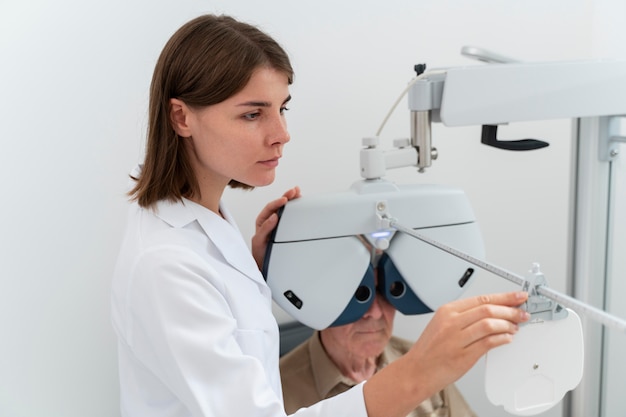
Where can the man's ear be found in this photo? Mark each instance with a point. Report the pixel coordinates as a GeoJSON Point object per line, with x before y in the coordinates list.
{"type": "Point", "coordinates": [179, 113]}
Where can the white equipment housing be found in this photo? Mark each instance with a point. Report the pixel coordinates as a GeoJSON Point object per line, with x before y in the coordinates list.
{"type": "Point", "coordinates": [316, 261]}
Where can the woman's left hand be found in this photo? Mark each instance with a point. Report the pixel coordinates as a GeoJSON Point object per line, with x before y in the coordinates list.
{"type": "Point", "coordinates": [266, 221]}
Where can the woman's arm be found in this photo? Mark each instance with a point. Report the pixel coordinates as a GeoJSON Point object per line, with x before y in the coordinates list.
{"type": "Point", "coordinates": [459, 333]}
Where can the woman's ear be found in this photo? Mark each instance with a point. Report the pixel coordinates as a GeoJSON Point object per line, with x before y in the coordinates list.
{"type": "Point", "coordinates": [179, 113]}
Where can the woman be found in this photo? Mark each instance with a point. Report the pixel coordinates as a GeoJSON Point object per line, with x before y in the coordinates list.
{"type": "Point", "coordinates": [192, 312]}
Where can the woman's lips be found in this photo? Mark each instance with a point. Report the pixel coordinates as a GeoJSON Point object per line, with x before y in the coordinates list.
{"type": "Point", "coordinates": [272, 163]}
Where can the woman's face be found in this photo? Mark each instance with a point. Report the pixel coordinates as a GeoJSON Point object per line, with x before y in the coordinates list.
{"type": "Point", "coordinates": [240, 138]}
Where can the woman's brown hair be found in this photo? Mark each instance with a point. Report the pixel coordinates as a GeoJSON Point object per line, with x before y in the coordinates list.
{"type": "Point", "coordinates": [206, 61]}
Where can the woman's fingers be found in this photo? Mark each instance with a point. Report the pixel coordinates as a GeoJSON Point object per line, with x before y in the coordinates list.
{"type": "Point", "coordinates": [513, 315]}
{"type": "Point", "coordinates": [266, 221]}
{"type": "Point", "coordinates": [487, 315]}
{"type": "Point", "coordinates": [269, 210]}
{"type": "Point", "coordinates": [273, 206]}
{"type": "Point", "coordinates": [487, 327]}
{"type": "Point", "coordinates": [511, 299]}
{"type": "Point", "coordinates": [292, 193]}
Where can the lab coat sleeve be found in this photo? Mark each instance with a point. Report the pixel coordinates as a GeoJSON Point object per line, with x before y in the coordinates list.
{"type": "Point", "coordinates": [183, 331]}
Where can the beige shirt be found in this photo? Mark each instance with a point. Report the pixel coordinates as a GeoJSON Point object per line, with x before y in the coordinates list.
{"type": "Point", "coordinates": [308, 375]}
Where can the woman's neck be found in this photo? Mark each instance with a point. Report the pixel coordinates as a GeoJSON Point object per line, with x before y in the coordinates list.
{"type": "Point", "coordinates": [209, 196]}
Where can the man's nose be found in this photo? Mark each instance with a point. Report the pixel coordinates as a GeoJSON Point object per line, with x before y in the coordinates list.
{"type": "Point", "coordinates": [375, 310]}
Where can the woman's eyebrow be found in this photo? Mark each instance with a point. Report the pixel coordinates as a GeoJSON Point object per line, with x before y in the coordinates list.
{"type": "Point", "coordinates": [261, 103]}
{"type": "Point", "coordinates": [255, 104]}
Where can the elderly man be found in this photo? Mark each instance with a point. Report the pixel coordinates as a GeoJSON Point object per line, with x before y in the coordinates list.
{"type": "Point", "coordinates": [335, 359]}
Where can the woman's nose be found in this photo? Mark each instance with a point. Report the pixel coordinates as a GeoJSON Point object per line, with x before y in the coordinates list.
{"type": "Point", "coordinates": [278, 132]}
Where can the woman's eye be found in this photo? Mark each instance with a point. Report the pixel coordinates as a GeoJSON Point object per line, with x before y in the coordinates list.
{"type": "Point", "coordinates": [283, 110]}
{"type": "Point", "coordinates": [252, 116]}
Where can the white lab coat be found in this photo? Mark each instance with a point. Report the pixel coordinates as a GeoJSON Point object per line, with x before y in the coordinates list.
{"type": "Point", "coordinates": [193, 317]}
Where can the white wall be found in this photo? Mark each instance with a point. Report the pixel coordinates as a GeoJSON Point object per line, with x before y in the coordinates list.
{"type": "Point", "coordinates": [74, 77]}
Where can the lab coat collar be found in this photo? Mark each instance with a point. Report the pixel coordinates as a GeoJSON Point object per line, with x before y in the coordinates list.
{"type": "Point", "coordinates": [223, 232]}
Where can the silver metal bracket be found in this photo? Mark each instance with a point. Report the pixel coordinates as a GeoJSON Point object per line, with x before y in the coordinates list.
{"type": "Point", "coordinates": [609, 143]}
{"type": "Point", "coordinates": [382, 238]}
{"type": "Point", "coordinates": [541, 308]}
{"type": "Point", "coordinates": [382, 215]}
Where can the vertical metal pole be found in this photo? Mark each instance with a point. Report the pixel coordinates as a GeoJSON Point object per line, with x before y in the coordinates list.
{"type": "Point", "coordinates": [421, 137]}
{"type": "Point", "coordinates": [588, 253]}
